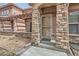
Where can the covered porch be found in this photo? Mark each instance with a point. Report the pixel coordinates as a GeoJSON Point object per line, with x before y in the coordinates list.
{"type": "Point", "coordinates": [50, 22]}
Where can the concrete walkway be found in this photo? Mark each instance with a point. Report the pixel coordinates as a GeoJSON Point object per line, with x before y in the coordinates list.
{"type": "Point", "coordinates": [37, 51]}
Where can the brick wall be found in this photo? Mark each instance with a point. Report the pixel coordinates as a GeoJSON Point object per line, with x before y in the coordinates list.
{"type": "Point", "coordinates": [19, 25]}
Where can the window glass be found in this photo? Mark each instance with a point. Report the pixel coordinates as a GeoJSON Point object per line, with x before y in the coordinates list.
{"type": "Point", "coordinates": [73, 29]}
{"type": "Point", "coordinates": [74, 17]}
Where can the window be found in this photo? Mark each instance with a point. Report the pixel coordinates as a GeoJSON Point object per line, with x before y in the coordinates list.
{"type": "Point", "coordinates": [5, 13]}
{"type": "Point", "coordinates": [28, 25]}
{"type": "Point", "coordinates": [74, 23]}
{"type": "Point", "coordinates": [0, 13]}
{"type": "Point", "coordinates": [73, 29]}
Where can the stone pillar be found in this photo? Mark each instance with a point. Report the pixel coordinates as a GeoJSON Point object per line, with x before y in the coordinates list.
{"type": "Point", "coordinates": [62, 28]}
{"type": "Point", "coordinates": [35, 27]}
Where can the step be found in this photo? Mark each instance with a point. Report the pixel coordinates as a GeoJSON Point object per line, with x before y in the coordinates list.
{"type": "Point", "coordinates": [52, 47]}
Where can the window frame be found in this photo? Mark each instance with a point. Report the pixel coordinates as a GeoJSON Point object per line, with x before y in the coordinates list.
{"type": "Point", "coordinates": [76, 13]}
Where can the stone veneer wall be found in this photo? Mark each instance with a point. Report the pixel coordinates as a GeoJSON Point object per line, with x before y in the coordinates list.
{"type": "Point", "coordinates": [35, 26]}
{"type": "Point", "coordinates": [62, 32]}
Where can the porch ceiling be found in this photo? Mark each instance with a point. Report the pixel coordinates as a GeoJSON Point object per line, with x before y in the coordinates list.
{"type": "Point", "coordinates": [41, 5]}
{"type": "Point", "coordinates": [47, 5]}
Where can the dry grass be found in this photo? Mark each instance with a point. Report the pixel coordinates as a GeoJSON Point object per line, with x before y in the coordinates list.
{"type": "Point", "coordinates": [11, 44]}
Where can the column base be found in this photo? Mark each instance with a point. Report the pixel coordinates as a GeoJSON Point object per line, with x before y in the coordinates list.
{"type": "Point", "coordinates": [62, 47]}
{"type": "Point", "coordinates": [53, 41]}
{"type": "Point", "coordinates": [35, 44]}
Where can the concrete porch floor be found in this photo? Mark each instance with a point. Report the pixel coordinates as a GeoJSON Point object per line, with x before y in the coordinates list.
{"type": "Point", "coordinates": [38, 51]}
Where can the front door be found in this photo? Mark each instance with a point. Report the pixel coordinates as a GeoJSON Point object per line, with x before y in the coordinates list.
{"type": "Point", "coordinates": [46, 28]}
